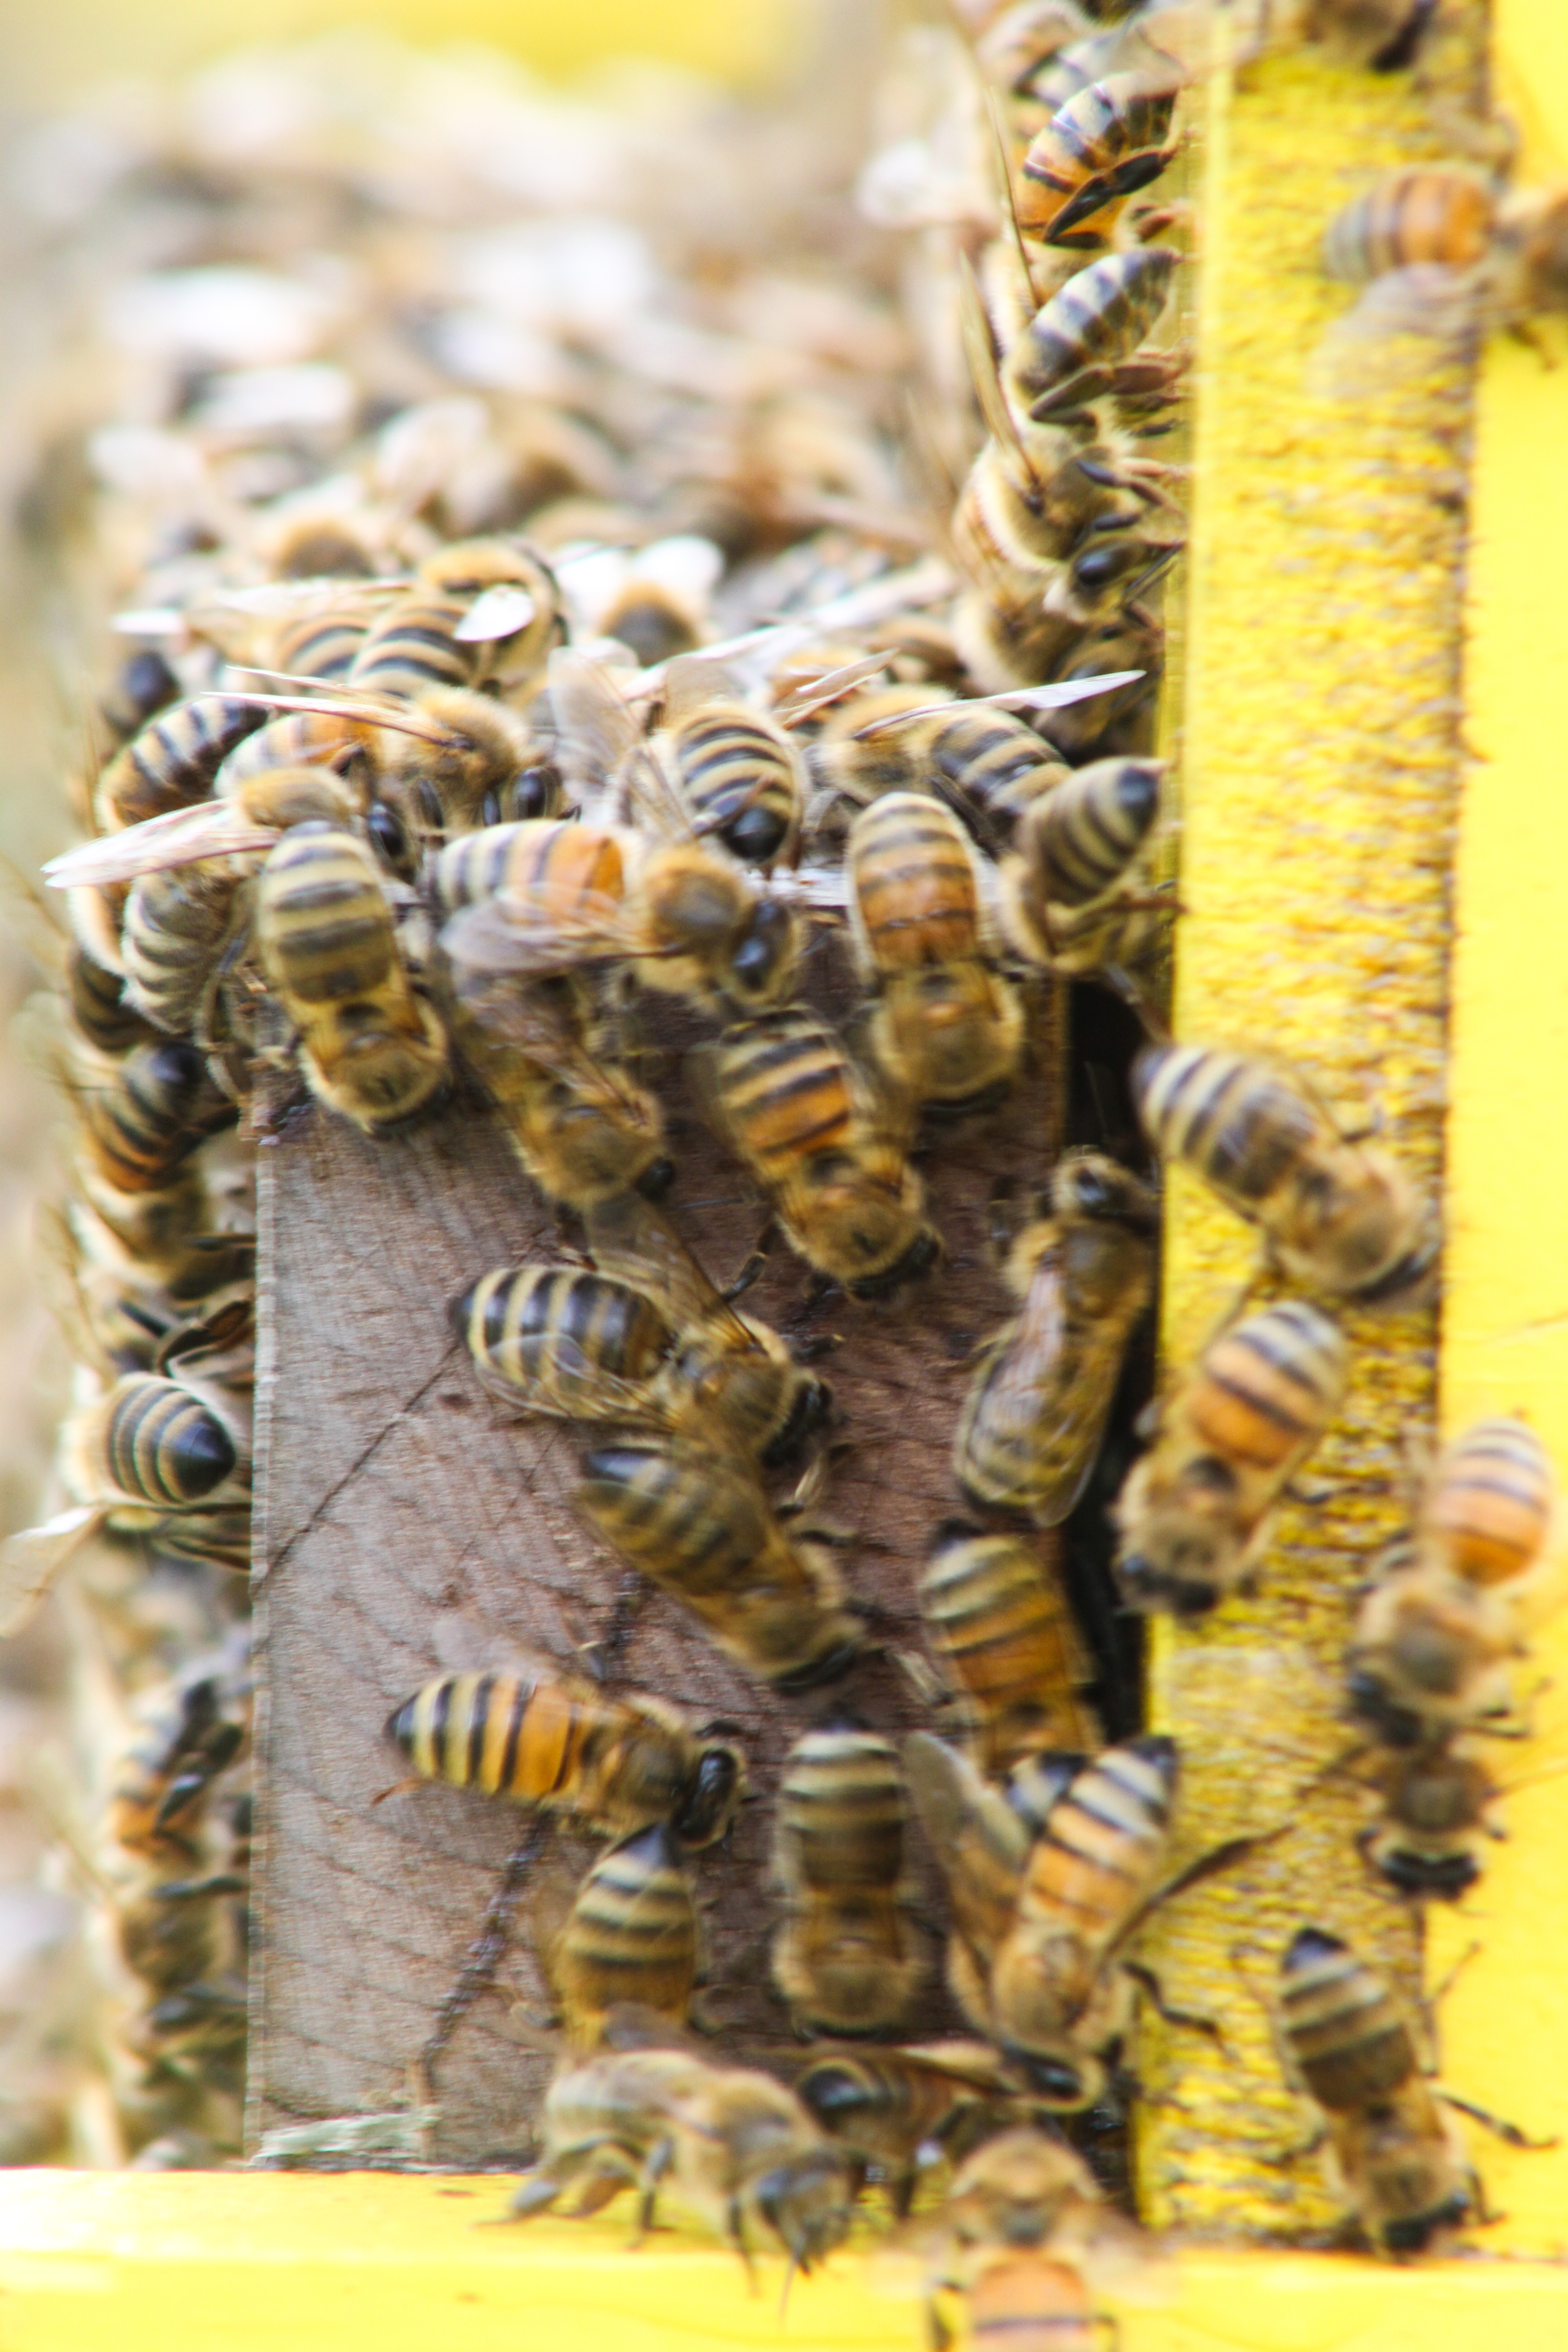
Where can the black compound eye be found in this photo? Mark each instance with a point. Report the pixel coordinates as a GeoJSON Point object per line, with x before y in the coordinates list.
{"type": "Point", "coordinates": [388, 836]}
{"type": "Point", "coordinates": [534, 792]}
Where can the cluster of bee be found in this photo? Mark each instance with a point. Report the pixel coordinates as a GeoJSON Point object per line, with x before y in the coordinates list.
{"type": "Point", "coordinates": [430, 808]}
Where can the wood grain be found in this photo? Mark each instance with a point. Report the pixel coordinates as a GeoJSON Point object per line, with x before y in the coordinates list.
{"type": "Point", "coordinates": [396, 1507]}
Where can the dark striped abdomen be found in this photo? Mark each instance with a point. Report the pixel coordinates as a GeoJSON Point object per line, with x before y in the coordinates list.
{"type": "Point", "coordinates": [323, 925]}
{"type": "Point", "coordinates": [172, 763]}
{"type": "Point", "coordinates": [1239, 1123]}
{"type": "Point", "coordinates": [782, 1083]}
{"type": "Point", "coordinates": [555, 867]}
{"type": "Point", "coordinates": [739, 781]}
{"type": "Point", "coordinates": [631, 1935]}
{"type": "Point", "coordinates": [686, 1519]}
{"type": "Point", "coordinates": [290, 738]}
{"type": "Point", "coordinates": [1407, 219]}
{"type": "Point", "coordinates": [912, 883]}
{"type": "Point", "coordinates": [988, 754]}
{"type": "Point", "coordinates": [999, 1617]}
{"type": "Point", "coordinates": [1101, 1847]}
{"type": "Point", "coordinates": [321, 644]}
{"type": "Point", "coordinates": [176, 922]}
{"type": "Point", "coordinates": [841, 1812]}
{"type": "Point", "coordinates": [1492, 1502]}
{"type": "Point", "coordinates": [553, 1332]}
{"type": "Point", "coordinates": [1267, 1390]}
{"type": "Point", "coordinates": [159, 1444]}
{"type": "Point", "coordinates": [99, 1010]}
{"type": "Point", "coordinates": [159, 1107]}
{"type": "Point", "coordinates": [1101, 315]}
{"type": "Point", "coordinates": [411, 647]}
{"type": "Point", "coordinates": [1082, 836]}
{"type": "Point", "coordinates": [1099, 148]}
{"type": "Point", "coordinates": [1345, 2031]}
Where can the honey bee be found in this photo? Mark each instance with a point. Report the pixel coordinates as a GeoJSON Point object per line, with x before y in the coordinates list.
{"type": "Point", "coordinates": [730, 2145]}
{"type": "Point", "coordinates": [1382, 34]}
{"type": "Point", "coordinates": [174, 760]}
{"type": "Point", "coordinates": [1028, 2304]}
{"type": "Point", "coordinates": [553, 1741]}
{"type": "Point", "coordinates": [1429, 1652]}
{"type": "Point", "coordinates": [250, 821]}
{"type": "Point", "coordinates": [1095, 153]}
{"type": "Point", "coordinates": [1068, 896]}
{"type": "Point", "coordinates": [144, 684]}
{"type": "Point", "coordinates": [698, 1525]}
{"type": "Point", "coordinates": [1428, 214]}
{"type": "Point", "coordinates": [1037, 1407]}
{"type": "Point", "coordinates": [630, 1935]}
{"type": "Point", "coordinates": [167, 1776]}
{"type": "Point", "coordinates": [901, 2108]}
{"type": "Point", "coordinates": [1391, 2154]}
{"type": "Point", "coordinates": [994, 1614]}
{"type": "Point", "coordinates": [738, 772]}
{"type": "Point", "coordinates": [99, 1012]}
{"type": "Point", "coordinates": [1039, 1920]}
{"type": "Point", "coordinates": [945, 1028]}
{"type": "Point", "coordinates": [846, 1959]}
{"type": "Point", "coordinates": [156, 1107]}
{"type": "Point", "coordinates": [480, 610]}
{"type": "Point", "coordinates": [547, 899]}
{"type": "Point", "coordinates": [1195, 1512]}
{"type": "Point", "coordinates": [1435, 1802]}
{"type": "Point", "coordinates": [1080, 345]}
{"type": "Point", "coordinates": [563, 1340]}
{"type": "Point", "coordinates": [1334, 1212]}
{"type": "Point", "coordinates": [1490, 1513]}
{"type": "Point", "coordinates": [371, 1049]}
{"type": "Point", "coordinates": [985, 760]}
{"type": "Point", "coordinates": [1020, 2226]}
{"type": "Point", "coordinates": [810, 1126]}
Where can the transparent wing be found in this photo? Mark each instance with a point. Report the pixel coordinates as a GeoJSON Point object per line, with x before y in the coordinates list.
{"type": "Point", "coordinates": [815, 691]}
{"type": "Point", "coordinates": [981, 356]}
{"type": "Point", "coordinates": [1056, 697]}
{"type": "Point", "coordinates": [30, 1560]}
{"type": "Point", "coordinates": [518, 933]}
{"type": "Point", "coordinates": [690, 680]}
{"type": "Point", "coordinates": [596, 732]}
{"type": "Point", "coordinates": [178, 838]}
{"type": "Point", "coordinates": [1403, 325]}
{"type": "Point", "coordinates": [979, 1841]}
{"type": "Point", "coordinates": [500, 612]}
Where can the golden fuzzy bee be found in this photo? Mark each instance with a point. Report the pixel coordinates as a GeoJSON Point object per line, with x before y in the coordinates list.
{"type": "Point", "coordinates": [946, 1027]}
{"type": "Point", "coordinates": [564, 1340]}
{"type": "Point", "coordinates": [554, 1741]}
{"type": "Point", "coordinates": [1429, 1652]}
{"type": "Point", "coordinates": [480, 609]}
{"type": "Point", "coordinates": [1392, 2154]}
{"type": "Point", "coordinates": [631, 1935]}
{"type": "Point", "coordinates": [1069, 895]}
{"type": "Point", "coordinates": [740, 777]}
{"type": "Point", "coordinates": [1490, 1512]}
{"type": "Point", "coordinates": [848, 1959]}
{"type": "Point", "coordinates": [1021, 2231]}
{"type": "Point", "coordinates": [1039, 1919]}
{"type": "Point", "coordinates": [1035, 1411]}
{"type": "Point", "coordinates": [372, 1048]}
{"type": "Point", "coordinates": [1436, 1799]}
{"type": "Point", "coordinates": [155, 1108]}
{"type": "Point", "coordinates": [698, 1525]}
{"type": "Point", "coordinates": [1094, 153]}
{"type": "Point", "coordinates": [996, 1616]}
{"type": "Point", "coordinates": [904, 739]}
{"type": "Point", "coordinates": [828, 1150]}
{"type": "Point", "coordinates": [1335, 1212]}
{"type": "Point", "coordinates": [896, 2108]}
{"type": "Point", "coordinates": [730, 2145]}
{"type": "Point", "coordinates": [1195, 1512]}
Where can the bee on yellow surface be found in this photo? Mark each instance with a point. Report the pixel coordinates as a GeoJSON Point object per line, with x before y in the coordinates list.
{"type": "Point", "coordinates": [995, 1615]}
{"type": "Point", "coordinates": [946, 1027]}
{"type": "Point", "coordinates": [849, 1958]}
{"type": "Point", "coordinates": [698, 1525]}
{"type": "Point", "coordinates": [1337, 1212]}
{"type": "Point", "coordinates": [896, 2108]}
{"type": "Point", "coordinates": [1195, 1513]}
{"type": "Point", "coordinates": [1429, 1652]}
{"type": "Point", "coordinates": [551, 1740]}
{"type": "Point", "coordinates": [1032, 1422]}
{"type": "Point", "coordinates": [827, 1148]}
{"type": "Point", "coordinates": [1038, 1919]}
{"type": "Point", "coordinates": [630, 1935]}
{"type": "Point", "coordinates": [372, 1048]}
{"type": "Point", "coordinates": [1385, 35]}
{"type": "Point", "coordinates": [1491, 1509]}
{"type": "Point", "coordinates": [1436, 1799]}
{"type": "Point", "coordinates": [728, 2143]}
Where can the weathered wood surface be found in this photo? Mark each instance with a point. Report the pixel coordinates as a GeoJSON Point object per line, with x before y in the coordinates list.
{"type": "Point", "coordinates": [396, 1504]}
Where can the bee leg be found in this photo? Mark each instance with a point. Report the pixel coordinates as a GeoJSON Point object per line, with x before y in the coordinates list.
{"type": "Point", "coordinates": [755, 1265]}
{"type": "Point", "coordinates": [1508, 2133]}
{"type": "Point", "coordinates": [485, 1956]}
{"type": "Point", "coordinates": [734, 2230]}
{"type": "Point", "coordinates": [939, 2327]}
{"type": "Point", "coordinates": [603, 1656]}
{"type": "Point", "coordinates": [659, 2160]}
{"type": "Point", "coordinates": [1189, 2016]}
{"type": "Point", "coordinates": [536, 2192]}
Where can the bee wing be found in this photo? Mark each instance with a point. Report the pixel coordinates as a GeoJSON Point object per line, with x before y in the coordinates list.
{"type": "Point", "coordinates": [1069, 1413]}
{"type": "Point", "coordinates": [30, 1560]}
{"type": "Point", "coordinates": [690, 680]}
{"type": "Point", "coordinates": [499, 612]}
{"type": "Point", "coordinates": [979, 1841]}
{"type": "Point", "coordinates": [178, 838]}
{"type": "Point", "coordinates": [814, 694]}
{"type": "Point", "coordinates": [979, 2065]}
{"type": "Point", "coordinates": [979, 353]}
{"type": "Point", "coordinates": [596, 732]}
{"type": "Point", "coordinates": [1388, 335]}
{"type": "Point", "coordinates": [516, 933]}
{"type": "Point", "coordinates": [630, 1241]}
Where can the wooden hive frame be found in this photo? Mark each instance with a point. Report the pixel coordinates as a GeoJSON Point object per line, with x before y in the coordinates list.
{"type": "Point", "coordinates": [126, 2260]}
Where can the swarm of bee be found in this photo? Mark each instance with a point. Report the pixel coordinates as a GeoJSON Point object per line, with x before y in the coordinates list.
{"type": "Point", "coordinates": [456, 756]}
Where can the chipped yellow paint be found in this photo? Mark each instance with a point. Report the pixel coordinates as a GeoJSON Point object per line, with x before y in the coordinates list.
{"type": "Point", "coordinates": [1321, 772]}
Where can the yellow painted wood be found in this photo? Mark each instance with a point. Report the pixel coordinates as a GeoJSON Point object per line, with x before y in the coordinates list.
{"type": "Point", "coordinates": [141, 2262]}
{"type": "Point", "coordinates": [1505, 1328]}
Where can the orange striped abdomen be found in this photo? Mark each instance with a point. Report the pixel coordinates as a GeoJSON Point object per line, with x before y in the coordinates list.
{"type": "Point", "coordinates": [1492, 1502]}
{"type": "Point", "coordinates": [912, 883]}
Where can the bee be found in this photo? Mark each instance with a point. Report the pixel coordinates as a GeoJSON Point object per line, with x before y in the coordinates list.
{"type": "Point", "coordinates": [174, 760]}
{"type": "Point", "coordinates": [144, 684]}
{"type": "Point", "coordinates": [630, 1935]}
{"type": "Point", "coordinates": [811, 1127]}
{"type": "Point", "coordinates": [1382, 34]}
{"type": "Point", "coordinates": [1038, 1918]}
{"type": "Point", "coordinates": [1490, 1511]}
{"type": "Point", "coordinates": [178, 925]}
{"type": "Point", "coordinates": [1033, 1419]}
{"type": "Point", "coordinates": [167, 1777]}
{"type": "Point", "coordinates": [1027, 2304]}
{"type": "Point", "coordinates": [1068, 895]}
{"type": "Point", "coordinates": [150, 1446]}
{"type": "Point", "coordinates": [986, 761]}
{"type": "Point", "coordinates": [480, 610]}
{"type": "Point", "coordinates": [734, 2147]}
{"type": "Point", "coordinates": [1429, 1652]}
{"type": "Point", "coordinates": [1430, 214]}
{"type": "Point", "coordinates": [1392, 2154]}
{"type": "Point", "coordinates": [582, 1129]}
{"type": "Point", "coordinates": [544, 899]}
{"type": "Point", "coordinates": [156, 1107]}
{"type": "Point", "coordinates": [1095, 153]}
{"type": "Point", "coordinates": [945, 1028]}
{"type": "Point", "coordinates": [1195, 1513]}
{"type": "Point", "coordinates": [1080, 345]}
{"type": "Point", "coordinates": [371, 1049]}
{"type": "Point", "coordinates": [1021, 2225]}
{"type": "Point", "coordinates": [901, 2108]}
{"type": "Point", "coordinates": [248, 821]}
{"type": "Point", "coordinates": [1334, 1212]}
{"type": "Point", "coordinates": [563, 1340]}
{"type": "Point", "coordinates": [698, 1525]}
{"type": "Point", "coordinates": [995, 1615]}
{"type": "Point", "coordinates": [99, 1012]}
{"type": "Point", "coordinates": [846, 1959]}
{"type": "Point", "coordinates": [740, 775]}
{"type": "Point", "coordinates": [1435, 1802]}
